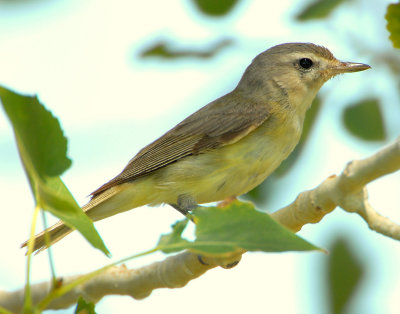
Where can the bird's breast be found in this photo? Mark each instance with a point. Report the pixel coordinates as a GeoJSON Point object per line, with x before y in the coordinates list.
{"type": "Point", "coordinates": [240, 167]}
{"type": "Point", "coordinates": [261, 152]}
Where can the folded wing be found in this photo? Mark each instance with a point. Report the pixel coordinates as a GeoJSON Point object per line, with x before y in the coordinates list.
{"type": "Point", "coordinates": [222, 122]}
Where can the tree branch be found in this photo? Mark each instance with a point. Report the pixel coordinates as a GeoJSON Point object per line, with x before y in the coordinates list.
{"type": "Point", "coordinates": [346, 190]}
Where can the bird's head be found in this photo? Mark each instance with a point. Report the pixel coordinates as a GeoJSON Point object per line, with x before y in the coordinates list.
{"type": "Point", "coordinates": [293, 72]}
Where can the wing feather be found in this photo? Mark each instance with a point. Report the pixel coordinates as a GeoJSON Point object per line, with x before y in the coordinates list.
{"type": "Point", "coordinates": [222, 122]}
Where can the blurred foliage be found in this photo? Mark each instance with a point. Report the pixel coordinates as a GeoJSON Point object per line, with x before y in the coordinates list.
{"type": "Point", "coordinates": [216, 8]}
{"type": "Point", "coordinates": [318, 9]}
{"type": "Point", "coordinates": [237, 226]}
{"type": "Point", "coordinates": [84, 307]}
{"type": "Point", "coordinates": [393, 23]}
{"type": "Point", "coordinates": [42, 148]}
{"type": "Point", "coordinates": [164, 50]}
{"type": "Point", "coordinates": [344, 275]}
{"type": "Point", "coordinates": [364, 120]}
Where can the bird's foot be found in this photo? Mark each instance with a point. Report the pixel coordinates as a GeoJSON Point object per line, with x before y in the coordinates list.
{"type": "Point", "coordinates": [185, 204]}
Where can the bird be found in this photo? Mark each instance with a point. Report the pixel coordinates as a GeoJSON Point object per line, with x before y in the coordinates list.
{"type": "Point", "coordinates": [227, 147]}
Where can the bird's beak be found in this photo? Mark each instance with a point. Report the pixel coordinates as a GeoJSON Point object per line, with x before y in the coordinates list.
{"type": "Point", "coordinates": [346, 67]}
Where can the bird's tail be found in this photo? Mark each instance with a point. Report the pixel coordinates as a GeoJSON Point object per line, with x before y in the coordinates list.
{"type": "Point", "coordinates": [49, 236]}
{"type": "Point", "coordinates": [102, 206]}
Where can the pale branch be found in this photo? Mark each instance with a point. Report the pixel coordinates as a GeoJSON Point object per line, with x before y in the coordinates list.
{"type": "Point", "coordinates": [346, 190]}
{"type": "Point", "coordinates": [173, 272]}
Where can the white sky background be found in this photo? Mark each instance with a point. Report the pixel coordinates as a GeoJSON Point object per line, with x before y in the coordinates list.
{"type": "Point", "coordinates": [80, 58]}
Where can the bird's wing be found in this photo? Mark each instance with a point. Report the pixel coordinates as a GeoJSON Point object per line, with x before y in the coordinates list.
{"type": "Point", "coordinates": [222, 122]}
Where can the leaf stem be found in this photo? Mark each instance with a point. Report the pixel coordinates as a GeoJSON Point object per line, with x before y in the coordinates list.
{"type": "Point", "coordinates": [49, 251]}
{"type": "Point", "coordinates": [59, 291]}
{"type": "Point", "coordinates": [31, 243]}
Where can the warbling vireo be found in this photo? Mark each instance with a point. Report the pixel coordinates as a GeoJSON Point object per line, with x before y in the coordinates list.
{"type": "Point", "coordinates": [226, 148]}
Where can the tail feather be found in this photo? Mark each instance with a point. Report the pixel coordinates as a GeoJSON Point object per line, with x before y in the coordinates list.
{"type": "Point", "coordinates": [98, 208]}
{"type": "Point", "coordinates": [49, 236]}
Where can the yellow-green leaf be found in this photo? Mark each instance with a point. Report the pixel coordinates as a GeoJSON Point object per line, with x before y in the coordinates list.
{"type": "Point", "coordinates": [52, 195]}
{"type": "Point", "coordinates": [84, 307]}
{"type": "Point", "coordinates": [215, 8]}
{"type": "Point", "coordinates": [393, 23]}
{"type": "Point", "coordinates": [238, 226]}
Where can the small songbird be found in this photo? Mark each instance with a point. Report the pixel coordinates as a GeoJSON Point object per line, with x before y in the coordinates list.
{"type": "Point", "coordinates": [226, 148]}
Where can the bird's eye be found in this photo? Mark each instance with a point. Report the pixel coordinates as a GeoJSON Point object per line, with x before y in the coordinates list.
{"type": "Point", "coordinates": [305, 63]}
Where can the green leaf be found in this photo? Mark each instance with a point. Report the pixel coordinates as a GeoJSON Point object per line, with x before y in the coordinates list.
{"type": "Point", "coordinates": [318, 9]}
{"type": "Point", "coordinates": [241, 226]}
{"type": "Point", "coordinates": [345, 272]}
{"type": "Point", "coordinates": [166, 50]}
{"type": "Point", "coordinates": [53, 196]}
{"type": "Point", "coordinates": [173, 242]}
{"type": "Point", "coordinates": [42, 148]}
{"type": "Point", "coordinates": [364, 120]}
{"type": "Point", "coordinates": [39, 131]}
{"type": "Point", "coordinates": [393, 23]}
{"type": "Point", "coordinates": [4, 311]}
{"type": "Point", "coordinates": [84, 307]}
{"type": "Point", "coordinates": [238, 226]}
{"type": "Point", "coordinates": [216, 8]}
